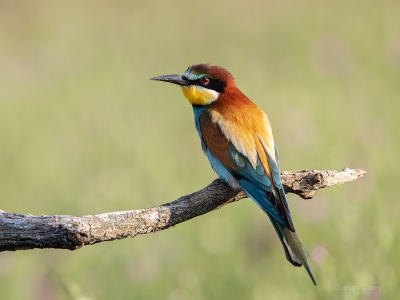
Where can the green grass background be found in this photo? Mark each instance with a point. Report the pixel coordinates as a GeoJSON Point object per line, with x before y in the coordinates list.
{"type": "Point", "coordinates": [83, 131]}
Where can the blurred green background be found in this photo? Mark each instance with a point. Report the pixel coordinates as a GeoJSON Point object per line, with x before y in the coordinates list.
{"type": "Point", "coordinates": [83, 131]}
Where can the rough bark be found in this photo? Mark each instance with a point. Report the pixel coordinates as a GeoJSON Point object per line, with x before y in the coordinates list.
{"type": "Point", "coordinates": [22, 232]}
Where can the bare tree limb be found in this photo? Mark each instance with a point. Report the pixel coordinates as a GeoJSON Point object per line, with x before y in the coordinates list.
{"type": "Point", "coordinates": [22, 232]}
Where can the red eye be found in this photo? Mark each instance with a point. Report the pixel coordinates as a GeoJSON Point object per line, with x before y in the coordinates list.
{"type": "Point", "coordinates": [204, 80]}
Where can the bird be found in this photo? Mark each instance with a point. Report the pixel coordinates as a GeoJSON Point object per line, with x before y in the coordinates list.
{"type": "Point", "coordinates": [237, 139]}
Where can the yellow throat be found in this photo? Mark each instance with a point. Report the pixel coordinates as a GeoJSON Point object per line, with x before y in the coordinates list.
{"type": "Point", "coordinates": [198, 95]}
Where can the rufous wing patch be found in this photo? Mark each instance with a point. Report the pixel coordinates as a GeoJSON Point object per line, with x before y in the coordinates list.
{"type": "Point", "coordinates": [216, 141]}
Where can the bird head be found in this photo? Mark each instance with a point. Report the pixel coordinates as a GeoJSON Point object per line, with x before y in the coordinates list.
{"type": "Point", "coordinates": [201, 84]}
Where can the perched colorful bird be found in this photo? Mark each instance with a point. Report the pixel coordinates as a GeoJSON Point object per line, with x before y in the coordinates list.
{"type": "Point", "coordinates": [237, 138]}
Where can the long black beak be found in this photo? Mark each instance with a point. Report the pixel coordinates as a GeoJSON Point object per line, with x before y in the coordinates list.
{"type": "Point", "coordinates": [177, 79]}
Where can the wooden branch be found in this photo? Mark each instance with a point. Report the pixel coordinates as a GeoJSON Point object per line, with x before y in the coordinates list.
{"type": "Point", "coordinates": [22, 232]}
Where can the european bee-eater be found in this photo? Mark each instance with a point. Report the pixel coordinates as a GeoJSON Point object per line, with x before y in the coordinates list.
{"type": "Point", "coordinates": [236, 136]}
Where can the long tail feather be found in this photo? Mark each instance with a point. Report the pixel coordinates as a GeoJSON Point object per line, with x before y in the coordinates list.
{"type": "Point", "coordinates": [296, 249]}
{"type": "Point", "coordinates": [295, 252]}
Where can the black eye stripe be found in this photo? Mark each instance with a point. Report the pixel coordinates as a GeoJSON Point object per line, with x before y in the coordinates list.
{"type": "Point", "coordinates": [213, 84]}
